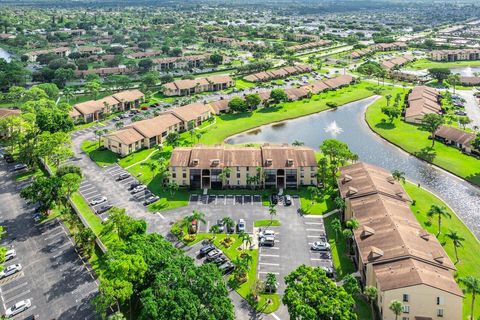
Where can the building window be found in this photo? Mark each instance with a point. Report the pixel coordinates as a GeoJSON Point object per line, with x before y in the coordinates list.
{"type": "Point", "coordinates": [302, 168]}
{"type": "Point", "coordinates": [238, 175]}
{"type": "Point", "coordinates": [440, 301]}
{"type": "Point", "coordinates": [248, 169]}
{"type": "Point", "coordinates": [238, 182]}
{"type": "Point", "coordinates": [184, 175]}
{"type": "Point", "coordinates": [406, 309]}
{"type": "Point", "coordinates": [174, 175]}
{"type": "Point", "coordinates": [183, 182]}
{"type": "Point", "coordinates": [238, 168]}
{"type": "Point", "coordinates": [439, 312]}
{"type": "Point", "coordinates": [405, 297]}
{"type": "Point", "coordinates": [405, 318]}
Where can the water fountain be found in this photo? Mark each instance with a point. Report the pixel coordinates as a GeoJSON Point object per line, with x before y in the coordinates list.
{"type": "Point", "coordinates": [333, 129]}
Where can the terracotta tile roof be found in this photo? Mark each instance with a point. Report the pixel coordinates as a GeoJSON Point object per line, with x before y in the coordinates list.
{"type": "Point", "coordinates": [9, 112]}
{"type": "Point", "coordinates": [126, 136]}
{"type": "Point", "coordinates": [456, 135]}
{"type": "Point", "coordinates": [129, 95]}
{"type": "Point", "coordinates": [190, 111]}
{"type": "Point", "coordinates": [361, 179]}
{"type": "Point", "coordinates": [155, 126]}
{"type": "Point", "coordinates": [285, 156]}
{"type": "Point", "coordinates": [220, 105]}
{"type": "Point", "coordinates": [277, 73]}
{"type": "Point", "coordinates": [470, 80]}
{"type": "Point", "coordinates": [339, 81]}
{"type": "Point", "coordinates": [410, 272]}
{"type": "Point", "coordinates": [296, 93]}
{"type": "Point", "coordinates": [422, 100]}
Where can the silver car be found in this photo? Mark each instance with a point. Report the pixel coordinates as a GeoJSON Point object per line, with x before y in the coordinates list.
{"type": "Point", "coordinates": [18, 308]}
{"type": "Point", "coordinates": [12, 269]}
{"type": "Point", "coordinates": [98, 200]}
{"type": "Point", "coordinates": [10, 254]}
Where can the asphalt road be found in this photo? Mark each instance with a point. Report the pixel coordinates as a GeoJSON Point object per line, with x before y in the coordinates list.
{"type": "Point", "coordinates": [472, 107]}
{"type": "Point", "coordinates": [54, 276]}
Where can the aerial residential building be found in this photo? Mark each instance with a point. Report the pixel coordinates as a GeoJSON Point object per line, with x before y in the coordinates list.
{"type": "Point", "coordinates": [422, 100]}
{"type": "Point", "coordinates": [455, 54]}
{"type": "Point", "coordinates": [470, 81]}
{"type": "Point", "coordinates": [61, 52]}
{"type": "Point", "coordinates": [105, 71]}
{"type": "Point", "coordinates": [275, 166]}
{"type": "Point", "coordinates": [185, 62]}
{"type": "Point", "coordinates": [396, 62]}
{"type": "Point", "coordinates": [90, 50]}
{"type": "Point", "coordinates": [458, 138]}
{"type": "Point", "coordinates": [393, 252]}
{"type": "Point", "coordinates": [150, 132]}
{"type": "Point", "coordinates": [278, 73]}
{"type": "Point", "coordinates": [394, 46]}
{"type": "Point", "coordinates": [189, 87]}
{"type": "Point", "coordinates": [309, 45]}
{"type": "Point", "coordinates": [95, 110]}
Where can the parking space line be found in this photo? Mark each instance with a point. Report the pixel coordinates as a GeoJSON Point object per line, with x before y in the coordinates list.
{"type": "Point", "coordinates": [315, 230]}
{"type": "Point", "coordinates": [54, 235]}
{"type": "Point", "coordinates": [269, 255]}
{"type": "Point", "coordinates": [269, 264]}
{"type": "Point", "coordinates": [270, 248]}
{"type": "Point", "coordinates": [317, 236]}
{"type": "Point", "coordinates": [313, 217]}
{"type": "Point", "coordinates": [17, 296]}
{"type": "Point", "coordinates": [14, 288]}
{"type": "Point", "coordinates": [266, 272]}
{"type": "Point", "coordinates": [314, 223]}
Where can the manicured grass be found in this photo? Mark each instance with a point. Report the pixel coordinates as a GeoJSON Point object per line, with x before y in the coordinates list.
{"type": "Point", "coordinates": [100, 157]}
{"type": "Point", "coordinates": [93, 220]}
{"type": "Point", "coordinates": [232, 253]}
{"type": "Point", "coordinates": [428, 64]}
{"type": "Point", "coordinates": [28, 174]}
{"type": "Point", "coordinates": [267, 223]}
{"type": "Point", "coordinates": [242, 84]}
{"type": "Point", "coordinates": [88, 125]}
{"type": "Point", "coordinates": [412, 139]}
{"type": "Point", "coordinates": [319, 206]}
{"type": "Point", "coordinates": [468, 254]}
{"type": "Point", "coordinates": [230, 124]}
{"type": "Point", "coordinates": [338, 246]}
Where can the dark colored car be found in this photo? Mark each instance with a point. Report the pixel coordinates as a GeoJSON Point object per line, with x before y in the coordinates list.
{"type": "Point", "coordinates": [134, 185]}
{"type": "Point", "coordinates": [206, 249]}
{"type": "Point", "coordinates": [227, 267]}
{"type": "Point", "coordinates": [273, 199]}
{"type": "Point", "coordinates": [104, 208]}
{"type": "Point", "coordinates": [19, 167]}
{"type": "Point", "coordinates": [123, 176]}
{"type": "Point", "coordinates": [329, 271]}
{"type": "Point", "coordinates": [8, 158]}
{"type": "Point", "coordinates": [220, 260]}
{"type": "Point", "coordinates": [214, 254]}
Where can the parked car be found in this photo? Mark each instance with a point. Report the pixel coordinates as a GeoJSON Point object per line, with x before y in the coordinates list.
{"type": "Point", "coordinates": [19, 167]}
{"type": "Point", "coordinates": [241, 225]}
{"type": "Point", "coordinates": [221, 226]}
{"type": "Point", "coordinates": [227, 267]}
{"type": "Point", "coordinates": [10, 254]}
{"type": "Point", "coordinates": [37, 216]}
{"type": "Point", "coordinates": [139, 188]}
{"type": "Point", "coordinates": [31, 317]}
{"type": "Point", "coordinates": [116, 119]}
{"type": "Point", "coordinates": [325, 255]}
{"type": "Point", "coordinates": [18, 308]}
{"type": "Point", "coordinates": [273, 199]}
{"type": "Point", "coordinates": [320, 246]}
{"type": "Point", "coordinates": [267, 241]}
{"type": "Point", "coordinates": [123, 176]}
{"type": "Point", "coordinates": [151, 199]}
{"type": "Point", "coordinates": [265, 233]}
{"type": "Point", "coordinates": [231, 228]}
{"type": "Point", "coordinates": [460, 113]}
{"type": "Point", "coordinates": [206, 249]}
{"type": "Point", "coordinates": [103, 208]}
{"type": "Point", "coordinates": [212, 255]}
{"type": "Point", "coordinates": [98, 200]}
{"type": "Point", "coordinates": [12, 269]}
{"type": "Point", "coordinates": [134, 185]}
{"type": "Point", "coordinates": [329, 271]}
{"type": "Point", "coordinates": [220, 260]}
{"type": "Point", "coordinates": [288, 200]}
{"type": "Point", "coordinates": [193, 226]}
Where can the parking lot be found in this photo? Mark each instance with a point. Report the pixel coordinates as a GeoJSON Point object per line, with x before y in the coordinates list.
{"type": "Point", "coordinates": [53, 276]}
{"type": "Point", "coordinates": [293, 238]}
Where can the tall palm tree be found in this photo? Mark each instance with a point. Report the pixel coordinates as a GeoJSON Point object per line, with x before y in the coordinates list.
{"type": "Point", "coordinates": [224, 175]}
{"type": "Point", "coordinates": [398, 175]}
{"type": "Point", "coordinates": [396, 307]}
{"type": "Point", "coordinates": [271, 282]}
{"type": "Point", "coordinates": [371, 293]}
{"type": "Point", "coordinates": [456, 240]}
{"type": "Point", "coordinates": [439, 211]}
{"type": "Point", "coordinates": [272, 211]}
{"type": "Point", "coordinates": [228, 223]}
{"type": "Point", "coordinates": [336, 226]}
{"type": "Point", "coordinates": [68, 93]}
{"type": "Point", "coordinates": [472, 286]}
{"type": "Point", "coordinates": [297, 143]}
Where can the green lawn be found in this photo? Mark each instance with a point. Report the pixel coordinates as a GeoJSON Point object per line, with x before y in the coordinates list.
{"type": "Point", "coordinates": [242, 84]}
{"type": "Point", "coordinates": [100, 157]}
{"type": "Point", "coordinates": [267, 223]}
{"type": "Point", "coordinates": [230, 124]}
{"type": "Point", "coordinates": [244, 289]}
{"type": "Point", "coordinates": [428, 64]}
{"type": "Point", "coordinates": [468, 254]}
{"type": "Point", "coordinates": [415, 141]}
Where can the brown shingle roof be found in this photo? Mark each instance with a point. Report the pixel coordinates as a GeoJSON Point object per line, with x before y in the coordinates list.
{"type": "Point", "coordinates": [155, 126]}
{"type": "Point", "coordinates": [126, 136]}
{"type": "Point", "coordinates": [191, 111]}
{"type": "Point", "coordinates": [454, 134]}
{"type": "Point", "coordinates": [8, 112]}
{"type": "Point", "coordinates": [129, 95]}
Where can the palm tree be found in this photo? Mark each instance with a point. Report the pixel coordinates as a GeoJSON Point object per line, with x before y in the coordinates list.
{"type": "Point", "coordinates": [440, 211]}
{"type": "Point", "coordinates": [229, 224]}
{"type": "Point", "coordinates": [99, 133]}
{"type": "Point", "coordinates": [352, 224]}
{"type": "Point", "coordinates": [371, 293]}
{"type": "Point", "coordinates": [398, 175]}
{"type": "Point", "coordinates": [272, 211]}
{"type": "Point", "coordinates": [388, 97]}
{"type": "Point", "coordinates": [396, 307]}
{"type": "Point", "coordinates": [336, 226]}
{"type": "Point", "coordinates": [472, 286]}
{"type": "Point", "coordinates": [215, 229]}
{"type": "Point", "coordinates": [297, 143]}
{"type": "Point", "coordinates": [68, 93]}
{"type": "Point", "coordinates": [453, 79]}
{"type": "Point", "coordinates": [198, 216]}
{"type": "Point", "coordinates": [271, 282]}
{"type": "Point", "coordinates": [224, 175]}
{"type": "Point", "coordinates": [456, 240]}
{"type": "Point", "coordinates": [313, 192]}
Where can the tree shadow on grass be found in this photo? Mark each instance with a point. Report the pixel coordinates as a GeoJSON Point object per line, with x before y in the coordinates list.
{"type": "Point", "coordinates": [426, 153]}
{"type": "Point", "coordinates": [235, 116]}
{"type": "Point", "coordinates": [385, 125]}
{"type": "Point", "coordinates": [474, 178]}
{"type": "Point", "coordinates": [270, 109]}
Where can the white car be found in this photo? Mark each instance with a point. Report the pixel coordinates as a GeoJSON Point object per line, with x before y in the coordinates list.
{"type": "Point", "coordinates": [266, 233]}
{"type": "Point", "coordinates": [98, 200]}
{"type": "Point", "coordinates": [320, 246]}
{"type": "Point", "coordinates": [10, 254]}
{"type": "Point", "coordinates": [139, 188]}
{"type": "Point", "coordinates": [18, 308]}
{"type": "Point", "coordinates": [8, 271]}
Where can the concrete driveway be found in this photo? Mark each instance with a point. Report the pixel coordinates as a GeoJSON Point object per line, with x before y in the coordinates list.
{"type": "Point", "coordinates": [472, 107]}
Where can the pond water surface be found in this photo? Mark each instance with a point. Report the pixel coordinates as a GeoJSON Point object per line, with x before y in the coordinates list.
{"type": "Point", "coordinates": [347, 124]}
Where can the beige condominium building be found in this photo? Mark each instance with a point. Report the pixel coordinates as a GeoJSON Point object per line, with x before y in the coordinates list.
{"type": "Point", "coordinates": [422, 100]}
{"type": "Point", "coordinates": [274, 166]}
{"type": "Point", "coordinates": [455, 54]}
{"type": "Point", "coordinates": [188, 87]}
{"type": "Point", "coordinates": [393, 252]}
{"type": "Point", "coordinates": [150, 132]}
